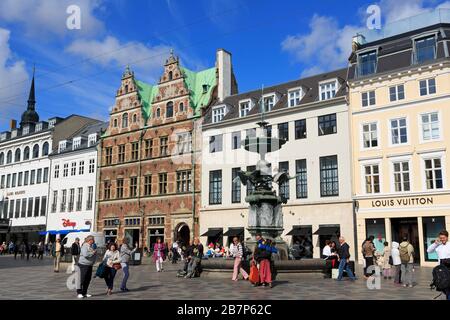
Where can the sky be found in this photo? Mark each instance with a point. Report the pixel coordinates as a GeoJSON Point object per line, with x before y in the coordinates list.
{"type": "Point", "coordinates": [79, 70]}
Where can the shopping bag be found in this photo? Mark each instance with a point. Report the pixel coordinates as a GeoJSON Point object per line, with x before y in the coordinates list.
{"type": "Point", "coordinates": [101, 271]}
{"type": "Point", "coordinates": [334, 273]}
{"type": "Point", "coordinates": [254, 273]}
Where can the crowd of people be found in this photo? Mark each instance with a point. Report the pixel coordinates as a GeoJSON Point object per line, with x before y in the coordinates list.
{"type": "Point", "coordinates": [24, 249]}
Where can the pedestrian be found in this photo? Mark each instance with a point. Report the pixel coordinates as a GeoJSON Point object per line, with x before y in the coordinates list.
{"type": "Point", "coordinates": [195, 258]}
{"type": "Point", "coordinates": [368, 251]}
{"type": "Point", "coordinates": [49, 248]}
{"type": "Point", "coordinates": [442, 247]}
{"type": "Point", "coordinates": [33, 250]}
{"type": "Point", "coordinates": [237, 252]}
{"type": "Point", "coordinates": [387, 261]}
{"type": "Point", "coordinates": [407, 258]}
{"type": "Point", "coordinates": [27, 250]}
{"type": "Point", "coordinates": [11, 247]}
{"type": "Point", "coordinates": [396, 263]}
{"type": "Point", "coordinates": [57, 254]}
{"type": "Point", "coordinates": [125, 256]}
{"type": "Point", "coordinates": [262, 255]}
{"type": "Point", "coordinates": [16, 249]}
{"type": "Point", "coordinates": [2, 248]}
{"type": "Point", "coordinates": [88, 255]}
{"type": "Point", "coordinates": [112, 264]}
{"type": "Point", "coordinates": [75, 251]}
{"type": "Point", "coordinates": [174, 252]}
{"type": "Point", "coordinates": [344, 259]}
{"type": "Point", "coordinates": [40, 249]}
{"type": "Point", "coordinates": [22, 250]}
{"type": "Point", "coordinates": [159, 254]}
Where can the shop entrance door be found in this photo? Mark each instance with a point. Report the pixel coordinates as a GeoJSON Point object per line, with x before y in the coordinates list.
{"type": "Point", "coordinates": [133, 236]}
{"type": "Point", "coordinates": [154, 234]}
{"type": "Point", "coordinates": [408, 227]}
{"type": "Point", "coordinates": [183, 234]}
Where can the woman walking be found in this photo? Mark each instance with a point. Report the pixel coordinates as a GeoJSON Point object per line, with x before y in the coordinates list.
{"type": "Point", "coordinates": [262, 255]}
{"type": "Point", "coordinates": [237, 252]}
{"type": "Point", "coordinates": [112, 264]}
{"type": "Point", "coordinates": [125, 256]}
{"type": "Point", "coordinates": [158, 254]}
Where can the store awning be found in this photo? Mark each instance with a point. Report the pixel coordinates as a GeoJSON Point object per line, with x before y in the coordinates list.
{"type": "Point", "coordinates": [213, 232]}
{"type": "Point", "coordinates": [299, 231]}
{"type": "Point", "coordinates": [327, 231]}
{"type": "Point", "coordinates": [234, 232]}
{"type": "Point", "coordinates": [61, 232]}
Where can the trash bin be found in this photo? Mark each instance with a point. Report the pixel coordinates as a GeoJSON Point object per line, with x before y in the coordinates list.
{"type": "Point", "coordinates": [136, 258]}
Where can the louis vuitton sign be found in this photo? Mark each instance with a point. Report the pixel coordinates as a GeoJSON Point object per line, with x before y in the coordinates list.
{"type": "Point", "coordinates": [402, 202]}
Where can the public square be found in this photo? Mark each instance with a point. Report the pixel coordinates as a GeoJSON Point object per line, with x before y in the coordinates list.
{"type": "Point", "coordinates": [35, 280]}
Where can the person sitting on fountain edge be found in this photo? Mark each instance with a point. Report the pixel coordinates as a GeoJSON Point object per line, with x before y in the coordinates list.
{"type": "Point", "coordinates": [262, 255]}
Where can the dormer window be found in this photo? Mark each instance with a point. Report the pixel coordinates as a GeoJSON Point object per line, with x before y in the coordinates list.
{"type": "Point", "coordinates": [327, 90]}
{"type": "Point", "coordinates": [268, 102]}
{"type": "Point", "coordinates": [92, 139]}
{"type": "Point", "coordinates": [76, 143]}
{"type": "Point", "coordinates": [14, 133]}
{"type": "Point", "coordinates": [38, 127]}
{"type": "Point", "coordinates": [294, 97]}
{"type": "Point", "coordinates": [218, 113]}
{"type": "Point", "coordinates": [62, 145]}
{"type": "Point", "coordinates": [424, 49]}
{"type": "Point", "coordinates": [244, 108]}
{"type": "Point", "coordinates": [26, 130]}
{"type": "Point", "coordinates": [367, 63]}
{"type": "Point", "coordinates": [205, 88]}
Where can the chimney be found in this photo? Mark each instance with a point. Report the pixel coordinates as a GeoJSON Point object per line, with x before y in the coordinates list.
{"type": "Point", "coordinates": [13, 124]}
{"type": "Point", "coordinates": [223, 65]}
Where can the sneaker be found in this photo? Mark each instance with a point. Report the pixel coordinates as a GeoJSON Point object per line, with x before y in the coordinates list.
{"type": "Point", "coordinates": [80, 296]}
{"type": "Point", "coordinates": [88, 295]}
{"type": "Point", "coordinates": [405, 285]}
{"type": "Point", "coordinates": [124, 289]}
{"type": "Point", "coordinates": [410, 286]}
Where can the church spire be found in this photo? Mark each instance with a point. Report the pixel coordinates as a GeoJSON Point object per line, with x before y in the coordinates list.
{"type": "Point", "coordinates": [32, 95]}
{"type": "Point", "coordinates": [30, 116]}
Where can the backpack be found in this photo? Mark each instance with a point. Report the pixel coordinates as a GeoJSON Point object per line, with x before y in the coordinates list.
{"type": "Point", "coordinates": [404, 254]}
{"type": "Point", "coordinates": [441, 278]}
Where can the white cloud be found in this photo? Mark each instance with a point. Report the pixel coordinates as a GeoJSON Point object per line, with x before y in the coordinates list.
{"type": "Point", "coordinates": [42, 17]}
{"type": "Point", "coordinates": [12, 76]}
{"type": "Point", "coordinates": [146, 60]}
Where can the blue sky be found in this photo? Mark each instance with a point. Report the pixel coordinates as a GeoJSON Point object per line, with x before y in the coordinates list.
{"type": "Point", "coordinates": [78, 71]}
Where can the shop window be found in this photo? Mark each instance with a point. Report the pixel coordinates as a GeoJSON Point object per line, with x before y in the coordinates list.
{"type": "Point", "coordinates": [431, 228]}
{"type": "Point", "coordinates": [376, 228]}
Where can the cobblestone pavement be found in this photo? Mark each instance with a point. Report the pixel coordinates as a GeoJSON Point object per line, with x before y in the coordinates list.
{"type": "Point", "coordinates": [21, 279]}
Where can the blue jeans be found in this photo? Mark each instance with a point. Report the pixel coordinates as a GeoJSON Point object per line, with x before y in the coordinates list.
{"type": "Point", "coordinates": [344, 265]}
{"type": "Point", "coordinates": [126, 274]}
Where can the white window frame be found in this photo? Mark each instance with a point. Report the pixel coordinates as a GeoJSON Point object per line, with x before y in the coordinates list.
{"type": "Point", "coordinates": [250, 107]}
{"type": "Point", "coordinates": [422, 36]}
{"type": "Point", "coordinates": [218, 113]}
{"type": "Point", "coordinates": [299, 91]}
{"type": "Point", "coordinates": [368, 99]}
{"type": "Point", "coordinates": [394, 160]}
{"type": "Point", "coordinates": [62, 145]}
{"type": "Point", "coordinates": [268, 96]}
{"type": "Point", "coordinates": [441, 131]}
{"type": "Point", "coordinates": [363, 147]}
{"type": "Point", "coordinates": [323, 84]}
{"type": "Point", "coordinates": [92, 139]}
{"type": "Point", "coordinates": [396, 92]}
{"type": "Point", "coordinates": [391, 144]}
{"type": "Point", "coordinates": [363, 165]}
{"type": "Point", "coordinates": [76, 143]}
{"type": "Point", "coordinates": [428, 86]}
{"type": "Point", "coordinates": [428, 156]}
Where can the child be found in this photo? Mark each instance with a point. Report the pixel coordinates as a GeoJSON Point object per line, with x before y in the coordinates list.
{"type": "Point", "coordinates": [386, 262]}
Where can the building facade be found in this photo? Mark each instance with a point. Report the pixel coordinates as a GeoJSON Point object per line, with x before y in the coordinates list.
{"type": "Point", "coordinates": [311, 114]}
{"type": "Point", "coordinates": [73, 182]}
{"type": "Point", "coordinates": [149, 181]}
{"type": "Point", "coordinates": [399, 92]}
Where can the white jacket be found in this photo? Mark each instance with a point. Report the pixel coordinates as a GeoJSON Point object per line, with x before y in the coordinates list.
{"type": "Point", "coordinates": [395, 253]}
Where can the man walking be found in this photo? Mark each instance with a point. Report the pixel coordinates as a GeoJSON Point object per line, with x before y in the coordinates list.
{"type": "Point", "coordinates": [86, 262]}
{"type": "Point", "coordinates": [407, 258]}
{"type": "Point", "coordinates": [57, 253]}
{"type": "Point", "coordinates": [344, 259]}
{"type": "Point", "coordinates": [442, 248]}
{"type": "Point", "coordinates": [75, 251]}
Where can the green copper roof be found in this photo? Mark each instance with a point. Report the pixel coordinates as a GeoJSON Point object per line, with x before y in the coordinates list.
{"type": "Point", "coordinates": [194, 81]}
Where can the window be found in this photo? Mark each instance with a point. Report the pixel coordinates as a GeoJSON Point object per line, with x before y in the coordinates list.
{"type": "Point", "coordinates": [329, 181]}
{"type": "Point", "coordinates": [148, 148]}
{"type": "Point", "coordinates": [184, 181]}
{"type": "Point", "coordinates": [268, 103]}
{"type": "Point", "coordinates": [235, 186]}
{"type": "Point", "coordinates": [66, 170]}
{"type": "Point", "coordinates": [92, 139]}
{"type": "Point", "coordinates": [33, 177]}
{"type": "Point", "coordinates": [184, 142]}
{"type": "Point", "coordinates": [2, 183]}
{"type": "Point", "coordinates": [250, 186]}
{"type": "Point", "coordinates": [23, 212]}
{"type": "Point", "coordinates": [163, 144]}
{"type": "Point", "coordinates": [26, 176]}
{"type": "Point", "coordinates": [158, 112]}
{"type": "Point", "coordinates": [327, 124]}
{"type": "Point", "coordinates": [17, 155]}
{"type": "Point", "coordinates": [148, 185]}
{"type": "Point", "coordinates": [401, 176]}
{"type": "Point", "coordinates": [106, 190]}
{"type": "Point", "coordinates": [368, 98]}
{"type": "Point", "coordinates": [427, 87]}
{"type": "Point", "coordinates": [76, 143]}
{"type": "Point", "coordinates": [119, 189]}
{"type": "Point", "coordinates": [73, 169]}
{"type": "Point", "coordinates": [397, 93]}
{"type": "Point", "coordinates": [244, 108]}
{"type": "Point", "coordinates": [121, 153]}
{"type": "Point", "coordinates": [162, 183]}
{"type": "Point", "coordinates": [63, 201]}
{"type": "Point", "coordinates": [135, 151]}
{"type": "Point", "coordinates": [301, 179]}
{"type": "Point", "coordinates": [90, 199]}
{"type": "Point", "coordinates": [30, 207]}
{"type": "Point", "coordinates": [300, 129]}
{"type": "Point", "coordinates": [425, 49]}
{"type": "Point", "coordinates": [11, 208]}
{"type": "Point", "coordinates": [81, 168]}
{"type": "Point", "coordinates": [37, 201]}
{"type": "Point", "coordinates": [370, 135]}
{"type": "Point", "coordinates": [39, 176]}
{"type": "Point", "coordinates": [45, 149]}
{"type": "Point", "coordinates": [115, 123]}
{"type": "Point", "coordinates": [2, 159]}
{"type": "Point", "coordinates": [170, 75]}
{"type": "Point", "coordinates": [215, 143]}
{"type": "Point", "coordinates": [169, 110]}
{"type": "Point", "coordinates": [45, 175]}
{"type": "Point", "coordinates": [108, 155]}
{"type": "Point", "coordinates": [430, 126]}
{"type": "Point", "coordinates": [13, 182]}
{"type": "Point", "coordinates": [134, 118]}
{"type": "Point", "coordinates": [79, 199]}
{"type": "Point", "coordinates": [372, 178]}
{"type": "Point", "coordinates": [35, 151]}
{"type": "Point", "coordinates": [399, 132]}
{"type": "Point", "coordinates": [236, 140]}
{"type": "Point", "coordinates": [328, 90]}
{"type": "Point", "coordinates": [283, 131]}
{"type": "Point", "coordinates": [181, 107]}
{"type": "Point", "coordinates": [56, 175]}
{"type": "Point", "coordinates": [8, 181]}
{"type": "Point", "coordinates": [17, 211]}
{"type": "Point", "coordinates": [367, 63]}
{"type": "Point", "coordinates": [284, 187]}
{"type": "Point", "coordinates": [215, 187]}
{"type": "Point", "coordinates": [71, 199]}
{"type": "Point", "coordinates": [61, 146]}
{"type": "Point", "coordinates": [433, 173]}
{"type": "Point", "coordinates": [125, 120]}
{"type": "Point", "coordinates": [294, 97]}
{"type": "Point", "coordinates": [54, 201]}
{"type": "Point", "coordinates": [43, 205]}
{"type": "Point", "coordinates": [156, 221]}
{"type": "Point", "coordinates": [9, 157]}
{"type": "Point", "coordinates": [250, 133]}
{"type": "Point", "coordinates": [268, 131]}
{"type": "Point", "coordinates": [133, 187]}
{"type": "Point", "coordinates": [218, 113]}
{"type": "Point", "coordinates": [91, 165]}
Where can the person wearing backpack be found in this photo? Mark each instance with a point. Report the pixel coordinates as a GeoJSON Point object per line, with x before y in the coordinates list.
{"type": "Point", "coordinates": [442, 248]}
{"type": "Point", "coordinates": [407, 258]}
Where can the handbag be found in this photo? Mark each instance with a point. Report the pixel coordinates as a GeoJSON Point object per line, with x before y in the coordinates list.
{"type": "Point", "coordinates": [117, 266]}
{"type": "Point", "coordinates": [254, 273]}
{"type": "Point", "coordinates": [391, 261]}
{"type": "Point", "coordinates": [101, 270]}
